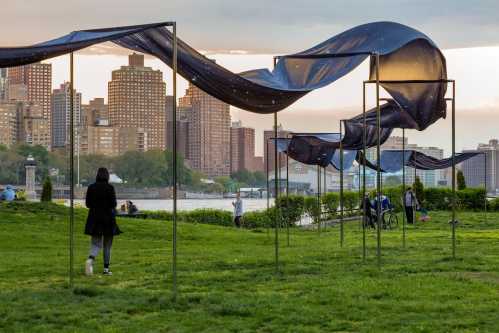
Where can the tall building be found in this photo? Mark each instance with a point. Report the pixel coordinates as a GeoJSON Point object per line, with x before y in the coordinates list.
{"type": "Point", "coordinates": [112, 141]}
{"type": "Point", "coordinates": [94, 112]}
{"type": "Point", "coordinates": [3, 84]}
{"type": "Point", "coordinates": [242, 148]}
{"type": "Point", "coordinates": [8, 124]}
{"type": "Point", "coordinates": [268, 147]}
{"type": "Point", "coordinates": [209, 132]}
{"type": "Point", "coordinates": [61, 104]}
{"type": "Point", "coordinates": [33, 128]}
{"type": "Point", "coordinates": [37, 80]}
{"type": "Point", "coordinates": [136, 97]}
{"type": "Point", "coordinates": [484, 166]}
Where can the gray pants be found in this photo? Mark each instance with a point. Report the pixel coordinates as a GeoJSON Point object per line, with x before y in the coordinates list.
{"type": "Point", "coordinates": [96, 244]}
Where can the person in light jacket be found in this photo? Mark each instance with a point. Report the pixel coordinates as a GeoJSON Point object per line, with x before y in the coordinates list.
{"type": "Point", "coordinates": [101, 221]}
{"type": "Point", "coordinates": [410, 203]}
{"type": "Point", "coordinates": [238, 210]}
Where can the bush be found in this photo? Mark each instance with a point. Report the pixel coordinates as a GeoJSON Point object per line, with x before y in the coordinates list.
{"type": "Point", "coordinates": [259, 219]}
{"type": "Point", "coordinates": [291, 208]}
{"type": "Point", "coordinates": [471, 199]}
{"type": "Point", "coordinates": [419, 191]}
{"type": "Point", "coordinates": [312, 207]}
{"type": "Point", "coordinates": [203, 216]}
{"type": "Point", "coordinates": [331, 203]}
{"type": "Point", "coordinates": [46, 191]}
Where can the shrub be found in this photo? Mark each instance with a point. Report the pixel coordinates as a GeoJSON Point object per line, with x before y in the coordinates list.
{"type": "Point", "coordinates": [331, 203]}
{"type": "Point", "coordinates": [46, 191]}
{"type": "Point", "coordinates": [259, 219]}
{"type": "Point", "coordinates": [312, 208]}
{"type": "Point", "coordinates": [291, 208]}
{"type": "Point", "coordinates": [461, 182]}
{"type": "Point", "coordinates": [203, 216]}
{"type": "Point", "coordinates": [419, 191]}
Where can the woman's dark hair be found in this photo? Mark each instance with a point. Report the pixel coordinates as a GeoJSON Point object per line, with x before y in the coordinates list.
{"type": "Point", "coordinates": [102, 175]}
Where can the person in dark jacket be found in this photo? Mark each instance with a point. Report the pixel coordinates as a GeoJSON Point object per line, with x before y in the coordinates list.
{"type": "Point", "coordinates": [101, 221]}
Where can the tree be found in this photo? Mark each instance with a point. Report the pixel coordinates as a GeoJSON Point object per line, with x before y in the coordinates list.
{"type": "Point", "coordinates": [47, 190]}
{"type": "Point", "coordinates": [392, 181]}
{"type": "Point", "coordinates": [419, 190]}
{"type": "Point", "coordinates": [461, 182]}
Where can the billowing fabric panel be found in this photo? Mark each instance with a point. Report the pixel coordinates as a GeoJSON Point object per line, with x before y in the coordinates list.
{"type": "Point", "coordinates": [349, 157]}
{"type": "Point", "coordinates": [405, 53]}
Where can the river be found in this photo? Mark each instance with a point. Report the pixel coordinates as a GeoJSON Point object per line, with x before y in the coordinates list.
{"type": "Point", "coordinates": [191, 204]}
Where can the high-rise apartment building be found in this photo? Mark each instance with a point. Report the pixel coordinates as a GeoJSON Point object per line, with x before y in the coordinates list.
{"type": "Point", "coordinates": [37, 80]}
{"type": "Point", "coordinates": [112, 141]}
{"type": "Point", "coordinates": [3, 84]}
{"type": "Point", "coordinates": [61, 104]}
{"type": "Point", "coordinates": [209, 132]}
{"type": "Point", "coordinates": [484, 167]}
{"type": "Point", "coordinates": [8, 124]}
{"type": "Point", "coordinates": [33, 128]}
{"type": "Point", "coordinates": [268, 147]}
{"type": "Point", "coordinates": [94, 112]}
{"type": "Point", "coordinates": [136, 99]}
{"type": "Point", "coordinates": [242, 148]}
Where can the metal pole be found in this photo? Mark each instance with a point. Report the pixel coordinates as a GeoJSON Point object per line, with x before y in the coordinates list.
{"type": "Point", "coordinates": [453, 169]}
{"type": "Point", "coordinates": [71, 171]}
{"type": "Point", "coordinates": [485, 183]}
{"type": "Point", "coordinates": [364, 152]}
{"type": "Point", "coordinates": [324, 189]}
{"type": "Point", "coordinates": [319, 199]}
{"type": "Point", "coordinates": [276, 184]}
{"type": "Point", "coordinates": [174, 160]}
{"type": "Point", "coordinates": [415, 176]}
{"type": "Point", "coordinates": [359, 186]}
{"type": "Point", "coordinates": [287, 196]}
{"type": "Point", "coordinates": [341, 187]}
{"type": "Point", "coordinates": [378, 159]}
{"type": "Point", "coordinates": [267, 171]}
{"type": "Point", "coordinates": [403, 187]}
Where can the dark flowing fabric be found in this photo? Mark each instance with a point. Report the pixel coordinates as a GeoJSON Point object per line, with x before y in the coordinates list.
{"type": "Point", "coordinates": [405, 54]}
{"type": "Point", "coordinates": [349, 156]}
{"type": "Point", "coordinates": [393, 160]}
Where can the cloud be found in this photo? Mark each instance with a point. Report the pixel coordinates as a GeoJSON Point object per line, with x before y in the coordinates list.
{"type": "Point", "coordinates": [258, 26]}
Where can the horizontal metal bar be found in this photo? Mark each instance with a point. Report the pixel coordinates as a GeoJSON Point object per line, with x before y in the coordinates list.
{"type": "Point", "coordinates": [323, 56]}
{"type": "Point", "coordinates": [410, 81]}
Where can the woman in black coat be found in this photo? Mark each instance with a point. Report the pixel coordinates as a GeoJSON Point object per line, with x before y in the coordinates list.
{"type": "Point", "coordinates": [101, 221]}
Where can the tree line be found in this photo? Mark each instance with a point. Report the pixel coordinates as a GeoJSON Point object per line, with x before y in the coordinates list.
{"type": "Point", "coordinates": [136, 169]}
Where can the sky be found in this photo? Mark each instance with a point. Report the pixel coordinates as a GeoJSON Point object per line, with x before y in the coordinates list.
{"type": "Point", "coordinates": [246, 35]}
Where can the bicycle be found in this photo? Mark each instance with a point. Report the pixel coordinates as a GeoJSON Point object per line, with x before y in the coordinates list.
{"type": "Point", "coordinates": [389, 219]}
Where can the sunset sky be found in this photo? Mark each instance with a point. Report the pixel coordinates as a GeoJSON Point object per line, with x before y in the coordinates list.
{"type": "Point", "coordinates": [245, 35]}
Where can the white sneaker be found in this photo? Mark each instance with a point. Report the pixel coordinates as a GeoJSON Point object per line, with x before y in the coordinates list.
{"type": "Point", "coordinates": [89, 267]}
{"type": "Point", "coordinates": [107, 272]}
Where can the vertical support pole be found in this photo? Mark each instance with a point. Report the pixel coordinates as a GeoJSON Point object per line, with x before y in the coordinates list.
{"type": "Point", "coordinates": [268, 181]}
{"type": "Point", "coordinates": [342, 203]}
{"type": "Point", "coordinates": [415, 176]}
{"type": "Point", "coordinates": [359, 187]}
{"type": "Point", "coordinates": [324, 188]}
{"type": "Point", "coordinates": [287, 196]}
{"type": "Point", "coordinates": [403, 187]}
{"type": "Point", "coordinates": [378, 159]}
{"type": "Point", "coordinates": [71, 170]}
{"type": "Point", "coordinates": [364, 152]}
{"type": "Point", "coordinates": [319, 199]}
{"type": "Point", "coordinates": [276, 185]}
{"type": "Point", "coordinates": [485, 183]}
{"type": "Point", "coordinates": [453, 169]}
{"type": "Point", "coordinates": [267, 172]}
{"type": "Point", "coordinates": [174, 160]}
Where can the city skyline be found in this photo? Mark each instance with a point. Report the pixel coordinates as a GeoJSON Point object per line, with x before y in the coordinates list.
{"type": "Point", "coordinates": [477, 97]}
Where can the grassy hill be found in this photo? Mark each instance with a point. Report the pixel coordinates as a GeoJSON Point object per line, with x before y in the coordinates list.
{"type": "Point", "coordinates": [227, 281]}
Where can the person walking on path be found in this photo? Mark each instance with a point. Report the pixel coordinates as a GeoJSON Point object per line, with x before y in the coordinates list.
{"type": "Point", "coordinates": [101, 221]}
{"type": "Point", "coordinates": [410, 203]}
{"type": "Point", "coordinates": [238, 210]}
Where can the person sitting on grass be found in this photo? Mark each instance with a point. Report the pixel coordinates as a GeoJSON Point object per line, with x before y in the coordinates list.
{"type": "Point", "coordinates": [101, 221]}
{"type": "Point", "coordinates": [8, 194]}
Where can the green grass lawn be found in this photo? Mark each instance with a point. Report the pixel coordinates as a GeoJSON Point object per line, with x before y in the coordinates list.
{"type": "Point", "coordinates": [227, 279]}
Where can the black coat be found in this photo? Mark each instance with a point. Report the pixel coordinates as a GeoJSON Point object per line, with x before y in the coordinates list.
{"type": "Point", "coordinates": [101, 202]}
